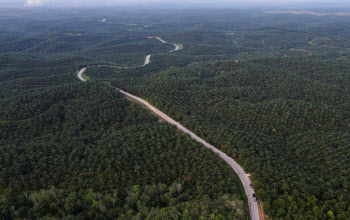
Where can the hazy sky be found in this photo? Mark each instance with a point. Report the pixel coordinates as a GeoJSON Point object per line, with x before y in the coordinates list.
{"type": "Point", "coordinates": [144, 2]}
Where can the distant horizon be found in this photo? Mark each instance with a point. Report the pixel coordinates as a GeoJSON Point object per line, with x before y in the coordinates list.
{"type": "Point", "coordinates": [189, 7]}
{"type": "Point", "coordinates": [251, 4]}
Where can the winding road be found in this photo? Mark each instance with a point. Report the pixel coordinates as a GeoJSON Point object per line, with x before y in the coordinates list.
{"type": "Point", "coordinates": [148, 57]}
{"type": "Point", "coordinates": [253, 205]}
{"type": "Point", "coordinates": [80, 74]}
{"type": "Point", "coordinates": [164, 42]}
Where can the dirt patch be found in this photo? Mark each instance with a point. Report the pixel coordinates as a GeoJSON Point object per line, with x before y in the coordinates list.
{"type": "Point", "coordinates": [262, 216]}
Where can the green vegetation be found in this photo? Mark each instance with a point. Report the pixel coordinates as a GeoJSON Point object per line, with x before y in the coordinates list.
{"type": "Point", "coordinates": [83, 148]}
{"type": "Point", "coordinates": [147, 202]}
{"type": "Point", "coordinates": [181, 46]}
{"type": "Point", "coordinates": [287, 135]}
{"type": "Point", "coordinates": [271, 91]}
{"type": "Point", "coordinates": [85, 77]}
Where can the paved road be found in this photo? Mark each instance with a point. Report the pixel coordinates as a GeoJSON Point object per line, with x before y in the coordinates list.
{"type": "Point", "coordinates": [148, 57]}
{"type": "Point", "coordinates": [164, 42]}
{"type": "Point", "coordinates": [253, 205]}
{"type": "Point", "coordinates": [148, 60]}
{"type": "Point", "coordinates": [176, 48]}
{"type": "Point", "coordinates": [81, 72]}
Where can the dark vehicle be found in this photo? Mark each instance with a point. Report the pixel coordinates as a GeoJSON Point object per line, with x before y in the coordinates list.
{"type": "Point", "coordinates": [254, 195]}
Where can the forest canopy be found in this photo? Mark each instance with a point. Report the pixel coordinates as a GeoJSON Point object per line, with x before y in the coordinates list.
{"type": "Point", "coordinates": [270, 90]}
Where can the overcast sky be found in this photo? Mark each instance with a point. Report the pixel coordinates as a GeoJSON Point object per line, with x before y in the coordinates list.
{"type": "Point", "coordinates": [34, 3]}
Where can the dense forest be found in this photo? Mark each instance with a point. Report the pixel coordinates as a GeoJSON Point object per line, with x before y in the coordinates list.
{"type": "Point", "coordinates": [270, 90]}
{"type": "Point", "coordinates": [83, 150]}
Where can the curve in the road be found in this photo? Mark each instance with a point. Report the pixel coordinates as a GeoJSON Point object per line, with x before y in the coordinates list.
{"type": "Point", "coordinates": [253, 205]}
{"type": "Point", "coordinates": [148, 57]}
{"type": "Point", "coordinates": [80, 74]}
